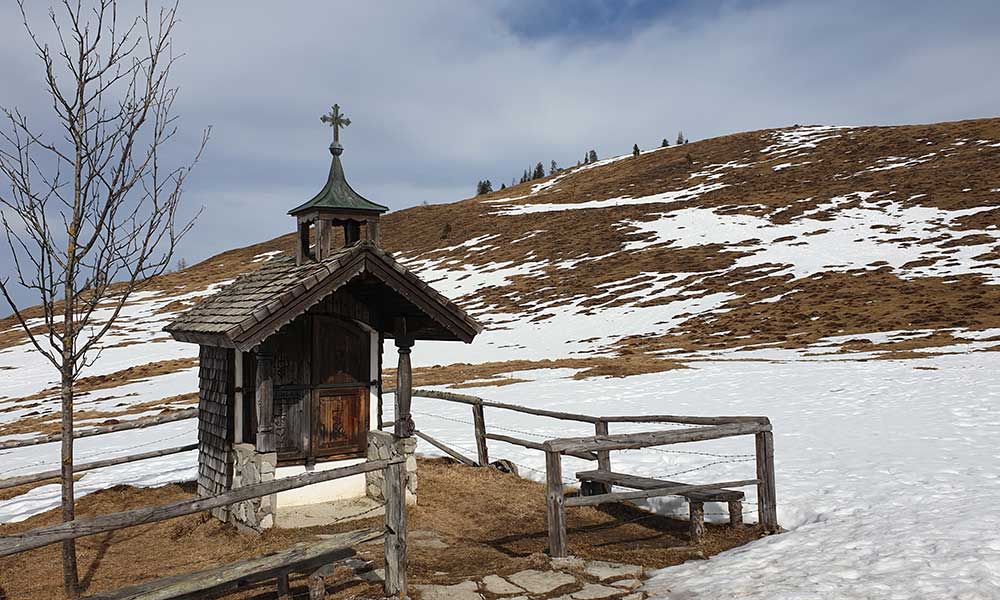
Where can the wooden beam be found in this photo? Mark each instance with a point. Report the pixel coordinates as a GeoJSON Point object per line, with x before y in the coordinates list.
{"type": "Point", "coordinates": [160, 419]}
{"type": "Point", "coordinates": [654, 438]}
{"type": "Point", "coordinates": [766, 504]}
{"type": "Point", "coordinates": [538, 446]}
{"type": "Point", "coordinates": [97, 464]}
{"type": "Point", "coordinates": [555, 505]}
{"type": "Point", "coordinates": [466, 399]}
{"type": "Point", "coordinates": [685, 420]}
{"type": "Point", "coordinates": [442, 447]}
{"type": "Point", "coordinates": [673, 490]}
{"type": "Point", "coordinates": [299, 558]}
{"type": "Point", "coordinates": [51, 534]}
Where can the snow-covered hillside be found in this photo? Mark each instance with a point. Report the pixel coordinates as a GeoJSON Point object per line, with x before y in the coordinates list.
{"type": "Point", "coordinates": [843, 281]}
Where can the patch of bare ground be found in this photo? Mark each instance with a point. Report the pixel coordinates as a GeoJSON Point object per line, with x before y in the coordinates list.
{"type": "Point", "coordinates": [831, 304]}
{"type": "Point", "coordinates": [492, 522]}
{"type": "Point", "coordinates": [460, 375]}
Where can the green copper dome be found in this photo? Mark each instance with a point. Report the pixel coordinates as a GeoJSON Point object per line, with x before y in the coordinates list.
{"type": "Point", "coordinates": [337, 194]}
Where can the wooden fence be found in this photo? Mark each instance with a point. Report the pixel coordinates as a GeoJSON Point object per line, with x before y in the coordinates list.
{"type": "Point", "coordinates": [395, 515]}
{"type": "Point", "coordinates": [599, 446]}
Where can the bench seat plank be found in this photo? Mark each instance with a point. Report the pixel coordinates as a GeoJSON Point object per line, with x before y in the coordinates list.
{"type": "Point", "coordinates": [647, 483]}
{"type": "Point", "coordinates": [299, 558]}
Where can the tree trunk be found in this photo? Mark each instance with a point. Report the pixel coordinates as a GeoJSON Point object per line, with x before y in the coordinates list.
{"type": "Point", "coordinates": [70, 576]}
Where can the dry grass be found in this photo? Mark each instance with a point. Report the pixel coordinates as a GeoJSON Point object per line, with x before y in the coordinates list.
{"type": "Point", "coordinates": [463, 375]}
{"type": "Point", "coordinates": [493, 523]}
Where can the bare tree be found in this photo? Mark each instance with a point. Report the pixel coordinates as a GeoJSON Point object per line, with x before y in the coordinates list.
{"type": "Point", "coordinates": [90, 211]}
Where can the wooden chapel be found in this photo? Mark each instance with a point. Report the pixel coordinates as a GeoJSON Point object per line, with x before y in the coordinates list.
{"type": "Point", "coordinates": [291, 354]}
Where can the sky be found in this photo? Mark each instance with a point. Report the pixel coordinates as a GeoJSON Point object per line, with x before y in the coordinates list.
{"type": "Point", "coordinates": [443, 94]}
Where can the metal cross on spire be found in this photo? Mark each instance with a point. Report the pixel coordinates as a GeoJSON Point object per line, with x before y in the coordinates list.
{"type": "Point", "coordinates": [336, 120]}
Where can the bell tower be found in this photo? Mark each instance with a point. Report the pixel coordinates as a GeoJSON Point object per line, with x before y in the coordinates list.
{"type": "Point", "coordinates": [336, 205]}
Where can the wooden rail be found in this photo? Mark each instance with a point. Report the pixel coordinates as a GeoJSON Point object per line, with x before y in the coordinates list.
{"type": "Point", "coordinates": [599, 446]}
{"type": "Point", "coordinates": [167, 417]}
{"type": "Point", "coordinates": [395, 515]}
{"type": "Point", "coordinates": [97, 464]}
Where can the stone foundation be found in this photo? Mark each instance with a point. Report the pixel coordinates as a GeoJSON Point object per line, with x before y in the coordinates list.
{"type": "Point", "coordinates": [383, 445]}
{"type": "Point", "coordinates": [250, 467]}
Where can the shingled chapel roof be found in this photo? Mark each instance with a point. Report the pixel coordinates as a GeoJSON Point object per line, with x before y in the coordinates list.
{"type": "Point", "coordinates": [259, 303]}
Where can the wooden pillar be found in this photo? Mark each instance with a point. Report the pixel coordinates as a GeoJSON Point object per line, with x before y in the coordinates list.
{"type": "Point", "coordinates": [395, 530]}
{"type": "Point", "coordinates": [480, 423]}
{"type": "Point", "coordinates": [265, 402]}
{"type": "Point", "coordinates": [697, 521]}
{"type": "Point", "coordinates": [555, 504]}
{"type": "Point", "coordinates": [404, 381]}
{"type": "Point", "coordinates": [324, 238]}
{"type": "Point", "coordinates": [766, 504]}
{"type": "Point", "coordinates": [238, 397]}
{"type": "Point", "coordinates": [736, 513]}
{"type": "Point", "coordinates": [372, 225]}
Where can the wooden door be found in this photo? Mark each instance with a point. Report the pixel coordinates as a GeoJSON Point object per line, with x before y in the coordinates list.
{"type": "Point", "coordinates": [339, 422]}
{"type": "Point", "coordinates": [341, 369]}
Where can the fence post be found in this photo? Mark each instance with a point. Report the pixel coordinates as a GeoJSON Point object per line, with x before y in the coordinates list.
{"type": "Point", "coordinates": [480, 423]}
{"type": "Point", "coordinates": [766, 504]}
{"type": "Point", "coordinates": [555, 504]}
{"type": "Point", "coordinates": [592, 488]}
{"type": "Point", "coordinates": [395, 529]}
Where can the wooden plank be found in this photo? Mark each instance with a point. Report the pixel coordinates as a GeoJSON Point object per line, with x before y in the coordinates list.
{"type": "Point", "coordinates": [537, 446]}
{"type": "Point", "coordinates": [685, 419]}
{"type": "Point", "coordinates": [167, 417]}
{"type": "Point", "coordinates": [43, 536]}
{"type": "Point", "coordinates": [673, 490]}
{"type": "Point", "coordinates": [479, 419]}
{"type": "Point", "coordinates": [654, 438]}
{"type": "Point", "coordinates": [766, 504]}
{"type": "Point", "coordinates": [299, 558]}
{"type": "Point", "coordinates": [395, 530]}
{"type": "Point", "coordinates": [555, 505]}
{"type": "Point", "coordinates": [648, 483]}
{"type": "Point", "coordinates": [265, 403]}
{"type": "Point", "coordinates": [97, 464]}
{"type": "Point", "coordinates": [440, 446]}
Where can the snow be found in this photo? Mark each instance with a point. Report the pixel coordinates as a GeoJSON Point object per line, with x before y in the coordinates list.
{"type": "Point", "coordinates": [147, 473]}
{"type": "Point", "coordinates": [886, 478]}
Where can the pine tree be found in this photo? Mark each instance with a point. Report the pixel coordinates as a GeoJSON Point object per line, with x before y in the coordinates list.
{"type": "Point", "coordinates": [665, 143]}
{"type": "Point", "coordinates": [539, 171]}
{"type": "Point", "coordinates": [479, 187]}
{"type": "Point", "coordinates": [635, 150]}
{"type": "Point", "coordinates": [592, 156]}
{"type": "Point", "coordinates": [487, 187]}
{"type": "Point", "coordinates": [503, 186]}
{"type": "Point", "coordinates": [553, 168]}
{"type": "Point", "coordinates": [680, 138]}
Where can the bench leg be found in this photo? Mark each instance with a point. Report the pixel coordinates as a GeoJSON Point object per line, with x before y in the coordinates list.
{"type": "Point", "coordinates": [736, 513]}
{"type": "Point", "coordinates": [317, 587]}
{"type": "Point", "coordinates": [697, 521]}
{"type": "Point", "coordinates": [593, 488]}
{"type": "Point", "coordinates": [283, 592]}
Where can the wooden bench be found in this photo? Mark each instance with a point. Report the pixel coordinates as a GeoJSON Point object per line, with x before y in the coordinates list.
{"type": "Point", "coordinates": [599, 481]}
{"type": "Point", "coordinates": [308, 558]}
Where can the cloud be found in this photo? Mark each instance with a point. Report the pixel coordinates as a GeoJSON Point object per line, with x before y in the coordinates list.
{"type": "Point", "coordinates": [442, 94]}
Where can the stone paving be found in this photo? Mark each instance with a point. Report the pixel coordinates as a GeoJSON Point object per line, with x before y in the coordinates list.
{"type": "Point", "coordinates": [566, 579]}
